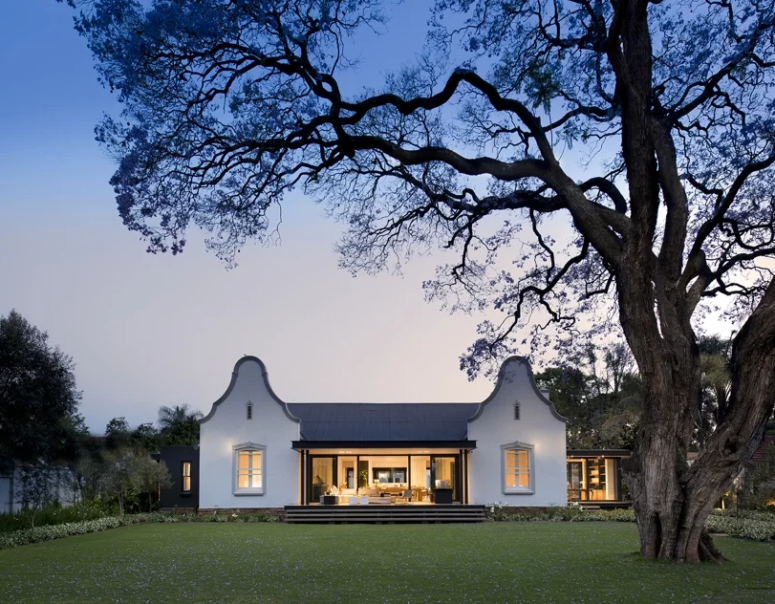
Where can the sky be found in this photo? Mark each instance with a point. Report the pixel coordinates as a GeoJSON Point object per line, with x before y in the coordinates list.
{"type": "Point", "coordinates": [146, 331]}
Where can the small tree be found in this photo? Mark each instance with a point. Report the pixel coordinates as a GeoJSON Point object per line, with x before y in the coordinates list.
{"type": "Point", "coordinates": [118, 477]}
{"type": "Point", "coordinates": [148, 476]}
{"type": "Point", "coordinates": [85, 481]}
{"type": "Point", "coordinates": [33, 488]}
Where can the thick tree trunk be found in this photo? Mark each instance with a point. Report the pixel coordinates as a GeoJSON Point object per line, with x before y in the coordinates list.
{"type": "Point", "coordinates": [671, 499]}
{"type": "Point", "coordinates": [670, 517]}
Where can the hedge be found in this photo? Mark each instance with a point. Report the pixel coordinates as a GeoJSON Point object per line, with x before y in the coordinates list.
{"type": "Point", "coordinates": [502, 513]}
{"type": "Point", "coordinates": [57, 531]}
{"type": "Point", "coordinates": [744, 524]}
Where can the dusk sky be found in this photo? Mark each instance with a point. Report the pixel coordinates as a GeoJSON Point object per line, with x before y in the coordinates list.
{"type": "Point", "coordinates": [151, 330]}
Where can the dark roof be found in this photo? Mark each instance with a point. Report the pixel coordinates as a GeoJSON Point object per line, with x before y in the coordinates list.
{"type": "Point", "coordinates": [358, 422]}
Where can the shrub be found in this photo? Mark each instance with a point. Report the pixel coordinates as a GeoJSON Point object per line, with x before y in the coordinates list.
{"type": "Point", "coordinates": [50, 515]}
{"type": "Point", "coordinates": [499, 512]}
{"type": "Point", "coordinates": [764, 516]}
{"type": "Point", "coordinates": [744, 528]}
{"type": "Point", "coordinates": [743, 524]}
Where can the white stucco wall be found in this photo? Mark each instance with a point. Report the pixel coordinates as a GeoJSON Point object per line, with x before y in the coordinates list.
{"type": "Point", "coordinates": [58, 489]}
{"type": "Point", "coordinates": [539, 426]}
{"type": "Point", "coordinates": [227, 426]}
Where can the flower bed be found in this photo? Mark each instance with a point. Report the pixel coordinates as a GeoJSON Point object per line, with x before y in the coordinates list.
{"type": "Point", "coordinates": [57, 531]}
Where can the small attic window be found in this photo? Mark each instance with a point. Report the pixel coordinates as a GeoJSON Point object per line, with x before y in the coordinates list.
{"type": "Point", "coordinates": [516, 410]}
{"type": "Point", "coordinates": [250, 410]}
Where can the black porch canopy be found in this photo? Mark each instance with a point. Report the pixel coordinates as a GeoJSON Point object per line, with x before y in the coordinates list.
{"type": "Point", "coordinates": [465, 445]}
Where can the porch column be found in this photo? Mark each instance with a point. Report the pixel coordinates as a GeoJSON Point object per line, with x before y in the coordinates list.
{"type": "Point", "coordinates": [463, 476]}
{"type": "Point", "coordinates": [303, 477]}
{"type": "Point", "coordinates": [465, 469]}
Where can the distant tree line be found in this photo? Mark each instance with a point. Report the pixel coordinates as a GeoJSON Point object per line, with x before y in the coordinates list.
{"type": "Point", "coordinates": [177, 425]}
{"type": "Point", "coordinates": [600, 393]}
{"type": "Point", "coordinates": [45, 444]}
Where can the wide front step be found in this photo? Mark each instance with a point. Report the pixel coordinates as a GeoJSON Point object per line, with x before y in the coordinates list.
{"type": "Point", "coordinates": [384, 513]}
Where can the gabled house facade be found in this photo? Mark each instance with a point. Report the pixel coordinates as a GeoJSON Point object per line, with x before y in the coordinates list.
{"type": "Point", "coordinates": [258, 451]}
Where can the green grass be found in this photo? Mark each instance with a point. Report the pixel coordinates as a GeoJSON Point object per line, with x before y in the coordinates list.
{"type": "Point", "coordinates": [568, 563]}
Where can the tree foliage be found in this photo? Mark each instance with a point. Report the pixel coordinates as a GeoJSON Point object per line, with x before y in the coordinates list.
{"type": "Point", "coordinates": [84, 480]}
{"type": "Point", "coordinates": [716, 387]}
{"type": "Point", "coordinates": [38, 396]}
{"type": "Point", "coordinates": [117, 433]}
{"type": "Point", "coordinates": [127, 474]}
{"type": "Point", "coordinates": [146, 437]}
{"type": "Point", "coordinates": [602, 407]}
{"type": "Point", "coordinates": [148, 476]}
{"type": "Point", "coordinates": [179, 425]}
{"type": "Point", "coordinates": [757, 488]}
{"type": "Point", "coordinates": [32, 488]}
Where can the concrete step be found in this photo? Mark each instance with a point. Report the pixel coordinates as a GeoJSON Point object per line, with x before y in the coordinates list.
{"type": "Point", "coordinates": [385, 514]}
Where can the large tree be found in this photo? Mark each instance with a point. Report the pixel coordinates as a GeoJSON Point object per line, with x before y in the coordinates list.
{"type": "Point", "coordinates": [38, 396]}
{"type": "Point", "coordinates": [644, 127]}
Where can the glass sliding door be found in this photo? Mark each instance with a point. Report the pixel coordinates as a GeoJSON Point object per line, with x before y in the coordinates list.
{"type": "Point", "coordinates": [322, 476]}
{"type": "Point", "coordinates": [345, 471]}
{"type": "Point", "coordinates": [596, 478]}
{"type": "Point", "coordinates": [444, 475]}
{"type": "Point", "coordinates": [420, 475]}
{"type": "Point", "coordinates": [612, 488]}
{"type": "Point", "coordinates": [576, 490]}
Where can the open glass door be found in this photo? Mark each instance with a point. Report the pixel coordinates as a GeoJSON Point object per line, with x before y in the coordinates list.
{"type": "Point", "coordinates": [444, 478]}
{"type": "Point", "coordinates": [576, 491]}
{"type": "Point", "coordinates": [322, 476]}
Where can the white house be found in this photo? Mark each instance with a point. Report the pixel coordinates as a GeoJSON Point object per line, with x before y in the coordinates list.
{"type": "Point", "coordinates": [257, 451]}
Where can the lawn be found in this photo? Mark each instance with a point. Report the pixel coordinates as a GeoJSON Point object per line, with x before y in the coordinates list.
{"type": "Point", "coordinates": [591, 563]}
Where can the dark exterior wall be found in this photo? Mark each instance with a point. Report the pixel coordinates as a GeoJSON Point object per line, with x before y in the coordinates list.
{"type": "Point", "coordinates": [173, 457]}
